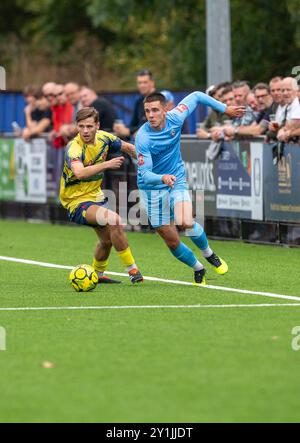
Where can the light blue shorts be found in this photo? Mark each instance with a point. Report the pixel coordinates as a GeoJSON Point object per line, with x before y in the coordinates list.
{"type": "Point", "coordinates": [159, 204]}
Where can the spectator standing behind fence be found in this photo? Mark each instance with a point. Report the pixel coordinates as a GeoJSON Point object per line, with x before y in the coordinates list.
{"type": "Point", "coordinates": [240, 89]}
{"type": "Point", "coordinates": [291, 121]}
{"type": "Point", "coordinates": [89, 98]}
{"type": "Point", "coordinates": [276, 92]}
{"type": "Point", "coordinates": [251, 103]}
{"type": "Point", "coordinates": [217, 132]}
{"type": "Point", "coordinates": [62, 114]}
{"type": "Point", "coordinates": [72, 91]}
{"type": "Point", "coordinates": [49, 91]}
{"type": "Point", "coordinates": [276, 120]}
{"type": "Point", "coordinates": [38, 116]}
{"type": "Point", "coordinates": [29, 93]}
{"type": "Point", "coordinates": [145, 85]}
{"type": "Point", "coordinates": [214, 119]}
{"type": "Point", "coordinates": [265, 107]}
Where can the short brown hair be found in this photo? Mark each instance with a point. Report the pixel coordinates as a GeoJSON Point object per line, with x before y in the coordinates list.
{"type": "Point", "coordinates": [261, 86]}
{"type": "Point", "coordinates": [84, 113]}
{"type": "Point", "coordinates": [144, 72]}
{"type": "Point", "coordinates": [38, 94]}
{"type": "Point", "coordinates": [30, 90]}
{"type": "Point", "coordinates": [227, 90]}
{"type": "Point", "coordinates": [155, 97]}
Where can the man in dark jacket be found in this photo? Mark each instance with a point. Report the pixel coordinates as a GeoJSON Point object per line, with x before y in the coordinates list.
{"type": "Point", "coordinates": [89, 98]}
{"type": "Point", "coordinates": [145, 86]}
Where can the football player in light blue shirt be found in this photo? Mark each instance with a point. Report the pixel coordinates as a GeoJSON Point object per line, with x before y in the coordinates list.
{"type": "Point", "coordinates": [162, 180]}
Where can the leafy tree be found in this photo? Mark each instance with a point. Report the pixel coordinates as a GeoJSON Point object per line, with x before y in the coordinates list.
{"type": "Point", "coordinates": [166, 36]}
{"type": "Point", "coordinates": [263, 40]}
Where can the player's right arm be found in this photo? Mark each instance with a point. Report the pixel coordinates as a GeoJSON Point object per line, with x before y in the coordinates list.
{"type": "Point", "coordinates": [75, 163]}
{"type": "Point", "coordinates": [82, 172]}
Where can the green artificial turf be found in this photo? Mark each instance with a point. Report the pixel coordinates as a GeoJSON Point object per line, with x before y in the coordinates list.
{"type": "Point", "coordinates": [146, 365]}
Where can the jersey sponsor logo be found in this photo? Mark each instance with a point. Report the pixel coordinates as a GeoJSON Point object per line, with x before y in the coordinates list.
{"type": "Point", "coordinates": [182, 107]}
{"type": "Point", "coordinates": [141, 160]}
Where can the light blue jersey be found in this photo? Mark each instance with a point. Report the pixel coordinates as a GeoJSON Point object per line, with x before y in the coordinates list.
{"type": "Point", "coordinates": [159, 151]}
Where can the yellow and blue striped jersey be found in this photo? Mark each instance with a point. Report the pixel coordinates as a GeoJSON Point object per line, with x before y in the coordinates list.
{"type": "Point", "coordinates": [74, 191]}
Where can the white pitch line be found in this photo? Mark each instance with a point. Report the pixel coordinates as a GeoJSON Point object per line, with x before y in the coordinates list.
{"type": "Point", "coordinates": [177, 282]}
{"type": "Point", "coordinates": [97, 308]}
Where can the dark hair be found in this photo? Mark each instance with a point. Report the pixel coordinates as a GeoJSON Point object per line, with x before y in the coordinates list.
{"type": "Point", "coordinates": [30, 90]}
{"type": "Point", "coordinates": [154, 97]}
{"type": "Point", "coordinates": [84, 113]}
{"type": "Point", "coordinates": [227, 90]}
{"type": "Point", "coordinates": [38, 94]}
{"type": "Point", "coordinates": [261, 86]}
{"type": "Point", "coordinates": [222, 85]}
{"type": "Point", "coordinates": [145, 72]}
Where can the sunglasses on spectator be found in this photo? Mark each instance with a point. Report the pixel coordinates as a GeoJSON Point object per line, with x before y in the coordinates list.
{"type": "Point", "coordinates": [54, 95]}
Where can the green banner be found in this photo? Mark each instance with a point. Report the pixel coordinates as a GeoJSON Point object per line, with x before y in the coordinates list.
{"type": "Point", "coordinates": [7, 170]}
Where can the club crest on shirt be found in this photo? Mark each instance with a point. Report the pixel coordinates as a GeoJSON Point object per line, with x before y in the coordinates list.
{"type": "Point", "coordinates": [173, 133]}
{"type": "Point", "coordinates": [141, 160]}
{"type": "Point", "coordinates": [182, 107]}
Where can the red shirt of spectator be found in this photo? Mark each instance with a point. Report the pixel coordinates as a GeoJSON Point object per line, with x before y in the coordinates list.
{"type": "Point", "coordinates": [62, 113]}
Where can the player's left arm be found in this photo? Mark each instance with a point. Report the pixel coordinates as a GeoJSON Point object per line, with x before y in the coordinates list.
{"type": "Point", "coordinates": [191, 101]}
{"type": "Point", "coordinates": [117, 145]}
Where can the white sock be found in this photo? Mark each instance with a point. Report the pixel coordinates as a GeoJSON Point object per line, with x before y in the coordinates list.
{"type": "Point", "coordinates": [207, 252]}
{"type": "Point", "coordinates": [130, 268]}
{"type": "Point", "coordinates": [198, 266]}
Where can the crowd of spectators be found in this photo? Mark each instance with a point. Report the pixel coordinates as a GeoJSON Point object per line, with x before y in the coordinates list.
{"type": "Point", "coordinates": [52, 109]}
{"type": "Point", "coordinates": [272, 111]}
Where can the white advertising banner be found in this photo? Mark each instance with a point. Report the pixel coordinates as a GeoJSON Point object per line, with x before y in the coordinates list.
{"type": "Point", "coordinates": [31, 176]}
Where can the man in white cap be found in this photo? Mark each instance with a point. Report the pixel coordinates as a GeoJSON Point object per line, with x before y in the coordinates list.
{"type": "Point", "coordinates": [170, 101]}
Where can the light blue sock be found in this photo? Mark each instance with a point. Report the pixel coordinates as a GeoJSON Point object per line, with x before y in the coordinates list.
{"type": "Point", "coordinates": [185, 255]}
{"type": "Point", "coordinates": [198, 237]}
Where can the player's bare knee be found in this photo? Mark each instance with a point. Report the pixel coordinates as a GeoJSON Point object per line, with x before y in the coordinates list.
{"type": "Point", "coordinates": [115, 220]}
{"type": "Point", "coordinates": [186, 225]}
{"type": "Point", "coordinates": [116, 228]}
{"type": "Point", "coordinates": [172, 243]}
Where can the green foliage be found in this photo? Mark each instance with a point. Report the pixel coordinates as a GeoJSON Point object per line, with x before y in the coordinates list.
{"type": "Point", "coordinates": [15, 18]}
{"type": "Point", "coordinates": [263, 39]}
{"type": "Point", "coordinates": [294, 10]}
{"type": "Point", "coordinates": [168, 37]}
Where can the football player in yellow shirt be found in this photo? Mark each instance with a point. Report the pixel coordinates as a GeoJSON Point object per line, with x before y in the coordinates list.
{"type": "Point", "coordinates": [81, 194]}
